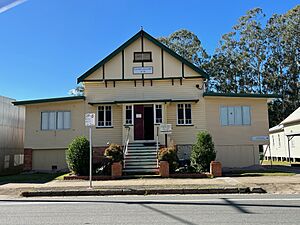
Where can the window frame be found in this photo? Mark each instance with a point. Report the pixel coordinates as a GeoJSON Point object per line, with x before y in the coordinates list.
{"type": "Point", "coordinates": [142, 60]}
{"type": "Point", "coordinates": [162, 114]}
{"type": "Point", "coordinates": [111, 115]}
{"type": "Point", "coordinates": [132, 115]}
{"type": "Point", "coordinates": [56, 120]}
{"type": "Point", "coordinates": [234, 116]}
{"type": "Point", "coordinates": [184, 115]}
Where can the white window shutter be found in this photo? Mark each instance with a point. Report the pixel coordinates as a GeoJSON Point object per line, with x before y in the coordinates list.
{"type": "Point", "coordinates": [246, 115]}
{"type": "Point", "coordinates": [60, 120]}
{"type": "Point", "coordinates": [238, 115]}
{"type": "Point", "coordinates": [67, 120]}
{"type": "Point", "coordinates": [230, 115]}
{"type": "Point", "coordinates": [224, 116]}
{"type": "Point", "coordinates": [52, 120]}
{"type": "Point", "coordinates": [45, 121]}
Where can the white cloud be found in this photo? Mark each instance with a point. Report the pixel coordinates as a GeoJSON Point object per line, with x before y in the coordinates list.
{"type": "Point", "coordinates": [8, 4]}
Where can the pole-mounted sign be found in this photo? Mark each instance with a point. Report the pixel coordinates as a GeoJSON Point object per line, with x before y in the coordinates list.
{"type": "Point", "coordinates": [90, 121]}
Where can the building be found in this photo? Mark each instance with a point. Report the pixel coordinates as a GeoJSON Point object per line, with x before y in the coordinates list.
{"type": "Point", "coordinates": [139, 86]}
{"type": "Point", "coordinates": [12, 128]}
{"type": "Point", "coordinates": [285, 139]}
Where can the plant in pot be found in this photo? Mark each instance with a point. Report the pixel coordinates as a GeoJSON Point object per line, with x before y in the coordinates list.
{"type": "Point", "coordinates": [115, 153]}
{"type": "Point", "coordinates": [169, 154]}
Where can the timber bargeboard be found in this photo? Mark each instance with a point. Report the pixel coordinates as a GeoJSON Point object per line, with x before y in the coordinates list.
{"type": "Point", "coordinates": [119, 64]}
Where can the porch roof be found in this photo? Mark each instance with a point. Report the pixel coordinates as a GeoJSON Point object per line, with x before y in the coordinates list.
{"type": "Point", "coordinates": [128, 101]}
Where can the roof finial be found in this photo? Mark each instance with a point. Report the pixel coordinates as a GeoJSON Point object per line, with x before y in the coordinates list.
{"type": "Point", "coordinates": [142, 28]}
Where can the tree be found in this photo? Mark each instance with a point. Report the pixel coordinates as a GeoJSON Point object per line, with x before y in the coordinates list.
{"type": "Point", "coordinates": [78, 91]}
{"type": "Point", "coordinates": [186, 44]}
{"type": "Point", "coordinates": [203, 152]}
{"type": "Point", "coordinates": [77, 156]}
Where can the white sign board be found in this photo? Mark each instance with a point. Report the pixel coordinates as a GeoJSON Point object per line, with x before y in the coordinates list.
{"type": "Point", "coordinates": [260, 138]}
{"type": "Point", "coordinates": [90, 119]}
{"type": "Point", "coordinates": [143, 70]}
{"type": "Point", "coordinates": [165, 128]}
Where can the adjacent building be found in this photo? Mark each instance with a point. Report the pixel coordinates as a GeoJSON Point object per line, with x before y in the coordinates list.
{"type": "Point", "coordinates": [285, 139]}
{"type": "Point", "coordinates": [135, 89]}
{"type": "Point", "coordinates": [12, 128]}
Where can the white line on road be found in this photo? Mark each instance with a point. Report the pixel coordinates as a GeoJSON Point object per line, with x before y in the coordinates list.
{"type": "Point", "coordinates": [62, 202]}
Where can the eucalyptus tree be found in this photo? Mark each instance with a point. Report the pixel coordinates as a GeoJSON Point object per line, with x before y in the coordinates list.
{"type": "Point", "coordinates": [186, 44]}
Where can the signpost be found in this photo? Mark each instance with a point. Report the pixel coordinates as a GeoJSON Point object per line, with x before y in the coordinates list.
{"type": "Point", "coordinates": [165, 129]}
{"type": "Point", "coordinates": [90, 122]}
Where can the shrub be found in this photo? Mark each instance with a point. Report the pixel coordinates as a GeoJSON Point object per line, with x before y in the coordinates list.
{"type": "Point", "coordinates": [78, 155]}
{"type": "Point", "coordinates": [169, 154]}
{"type": "Point", "coordinates": [203, 152]}
{"type": "Point", "coordinates": [115, 152]}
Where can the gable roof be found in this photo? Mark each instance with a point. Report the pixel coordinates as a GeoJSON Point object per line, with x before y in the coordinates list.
{"type": "Point", "coordinates": [130, 41]}
{"type": "Point", "coordinates": [294, 117]}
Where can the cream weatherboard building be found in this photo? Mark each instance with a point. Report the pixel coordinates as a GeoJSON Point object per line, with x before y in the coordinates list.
{"type": "Point", "coordinates": [139, 86]}
{"type": "Point", "coordinates": [285, 139]}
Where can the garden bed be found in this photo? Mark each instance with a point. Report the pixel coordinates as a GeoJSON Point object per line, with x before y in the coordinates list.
{"type": "Point", "coordinates": [190, 175]}
{"type": "Point", "coordinates": [75, 177]}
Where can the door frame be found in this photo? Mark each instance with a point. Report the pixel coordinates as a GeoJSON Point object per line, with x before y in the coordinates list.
{"type": "Point", "coordinates": [131, 132]}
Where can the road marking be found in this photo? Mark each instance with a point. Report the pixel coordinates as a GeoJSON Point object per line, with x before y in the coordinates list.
{"type": "Point", "coordinates": [61, 202]}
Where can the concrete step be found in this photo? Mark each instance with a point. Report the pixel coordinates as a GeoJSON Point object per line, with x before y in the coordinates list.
{"type": "Point", "coordinates": [141, 150]}
{"type": "Point", "coordinates": [141, 167]}
{"type": "Point", "coordinates": [136, 163]}
{"type": "Point", "coordinates": [139, 171]}
{"type": "Point", "coordinates": [141, 154]}
{"type": "Point", "coordinates": [141, 160]}
{"type": "Point", "coordinates": [141, 147]}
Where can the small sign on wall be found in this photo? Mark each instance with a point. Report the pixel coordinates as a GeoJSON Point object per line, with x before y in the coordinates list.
{"type": "Point", "coordinates": [138, 116]}
{"type": "Point", "coordinates": [143, 70]}
{"type": "Point", "coordinates": [260, 138]}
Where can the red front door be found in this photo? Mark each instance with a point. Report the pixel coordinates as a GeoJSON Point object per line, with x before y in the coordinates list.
{"type": "Point", "coordinates": [138, 122]}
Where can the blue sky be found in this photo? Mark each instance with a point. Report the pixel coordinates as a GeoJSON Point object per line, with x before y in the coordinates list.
{"type": "Point", "coordinates": [46, 44]}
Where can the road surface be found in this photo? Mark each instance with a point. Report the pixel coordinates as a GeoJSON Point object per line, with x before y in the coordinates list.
{"type": "Point", "coordinates": [176, 209]}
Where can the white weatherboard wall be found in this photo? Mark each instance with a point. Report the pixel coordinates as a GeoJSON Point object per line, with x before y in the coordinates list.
{"type": "Point", "coordinates": [12, 128]}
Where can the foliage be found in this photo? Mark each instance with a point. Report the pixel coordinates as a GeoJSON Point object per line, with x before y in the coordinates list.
{"type": "Point", "coordinates": [203, 152]}
{"type": "Point", "coordinates": [103, 167]}
{"type": "Point", "coordinates": [170, 155]}
{"type": "Point", "coordinates": [78, 91]}
{"type": "Point", "coordinates": [259, 55]}
{"type": "Point", "coordinates": [186, 44]}
{"type": "Point", "coordinates": [115, 152]}
{"type": "Point", "coordinates": [78, 156]}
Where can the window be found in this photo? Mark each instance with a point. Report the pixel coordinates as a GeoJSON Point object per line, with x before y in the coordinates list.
{"type": "Point", "coordinates": [279, 144]}
{"type": "Point", "coordinates": [104, 116]}
{"type": "Point", "coordinates": [184, 114]}
{"type": "Point", "coordinates": [158, 114]}
{"type": "Point", "coordinates": [129, 114]}
{"type": "Point", "coordinates": [56, 120]}
{"type": "Point", "coordinates": [142, 57]}
{"type": "Point", "coordinates": [235, 115]}
{"type": "Point", "coordinates": [273, 140]}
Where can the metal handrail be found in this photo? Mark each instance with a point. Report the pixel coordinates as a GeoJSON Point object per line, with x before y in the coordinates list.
{"type": "Point", "coordinates": [125, 146]}
{"type": "Point", "coordinates": [157, 147]}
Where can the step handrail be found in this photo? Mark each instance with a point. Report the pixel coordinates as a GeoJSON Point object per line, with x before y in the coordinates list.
{"type": "Point", "coordinates": [157, 147]}
{"type": "Point", "coordinates": [125, 147]}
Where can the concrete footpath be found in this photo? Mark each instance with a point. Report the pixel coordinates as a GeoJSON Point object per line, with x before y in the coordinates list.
{"type": "Point", "coordinates": [143, 186]}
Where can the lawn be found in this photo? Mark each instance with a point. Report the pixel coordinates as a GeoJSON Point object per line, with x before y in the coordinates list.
{"type": "Point", "coordinates": [31, 178]}
{"type": "Point", "coordinates": [254, 173]}
{"type": "Point", "coordinates": [276, 163]}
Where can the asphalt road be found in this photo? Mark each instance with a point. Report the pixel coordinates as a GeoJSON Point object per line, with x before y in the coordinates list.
{"type": "Point", "coordinates": [184, 209]}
